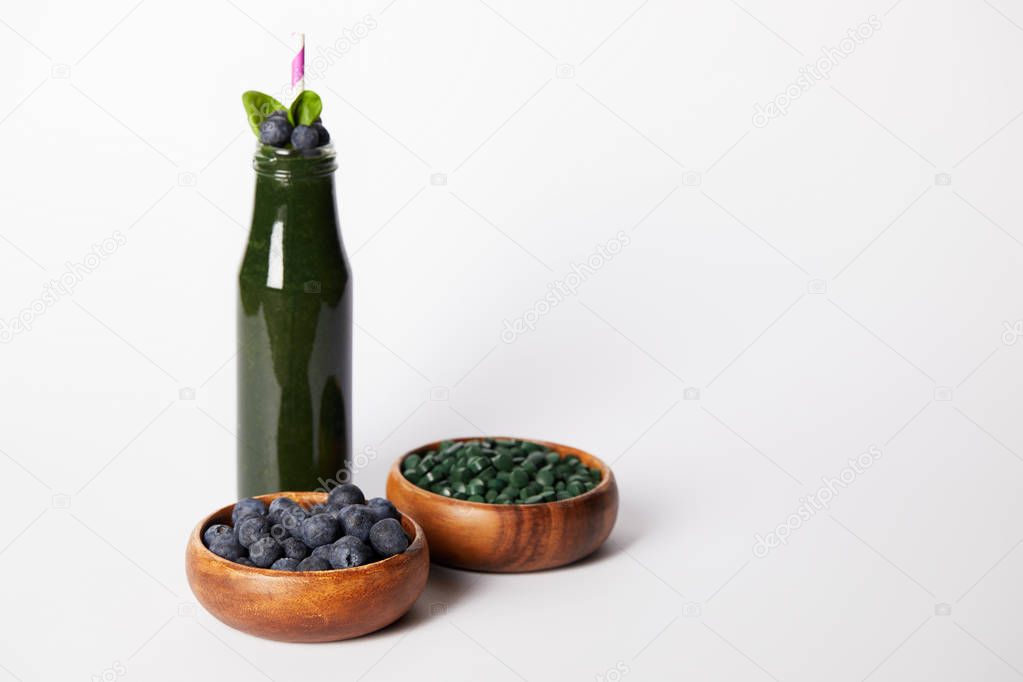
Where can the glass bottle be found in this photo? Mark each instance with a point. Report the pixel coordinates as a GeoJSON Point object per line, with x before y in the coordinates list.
{"type": "Point", "coordinates": [294, 329]}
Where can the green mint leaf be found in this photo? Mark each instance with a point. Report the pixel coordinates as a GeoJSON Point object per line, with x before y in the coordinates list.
{"type": "Point", "coordinates": [306, 108]}
{"type": "Point", "coordinates": [258, 106]}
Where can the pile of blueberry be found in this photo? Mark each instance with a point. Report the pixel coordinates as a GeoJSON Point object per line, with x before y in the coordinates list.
{"type": "Point", "coordinates": [345, 532]}
{"type": "Point", "coordinates": [276, 130]}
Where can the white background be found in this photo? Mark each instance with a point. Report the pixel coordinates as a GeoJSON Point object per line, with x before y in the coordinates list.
{"type": "Point", "coordinates": [846, 276]}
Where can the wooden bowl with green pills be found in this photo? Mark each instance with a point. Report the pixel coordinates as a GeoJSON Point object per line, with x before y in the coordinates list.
{"type": "Point", "coordinates": [505, 505]}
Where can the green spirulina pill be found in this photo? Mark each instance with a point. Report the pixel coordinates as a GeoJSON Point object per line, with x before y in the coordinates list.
{"type": "Point", "coordinates": [503, 461]}
{"type": "Point", "coordinates": [519, 478]}
{"type": "Point", "coordinates": [501, 471]}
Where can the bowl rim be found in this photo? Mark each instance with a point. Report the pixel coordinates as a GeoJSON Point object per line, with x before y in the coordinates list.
{"type": "Point", "coordinates": [417, 543]}
{"type": "Point", "coordinates": [606, 477]}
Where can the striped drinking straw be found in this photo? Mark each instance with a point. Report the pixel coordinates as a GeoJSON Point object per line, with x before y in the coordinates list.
{"type": "Point", "coordinates": [298, 64]}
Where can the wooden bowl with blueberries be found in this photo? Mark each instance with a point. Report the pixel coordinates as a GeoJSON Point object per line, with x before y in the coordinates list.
{"type": "Point", "coordinates": [506, 505]}
{"type": "Point", "coordinates": [308, 567]}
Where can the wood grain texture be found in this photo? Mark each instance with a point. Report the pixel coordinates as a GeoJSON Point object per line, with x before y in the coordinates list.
{"type": "Point", "coordinates": [510, 538]}
{"type": "Point", "coordinates": [315, 606]}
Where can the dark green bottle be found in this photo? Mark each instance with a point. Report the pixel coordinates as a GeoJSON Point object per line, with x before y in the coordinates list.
{"type": "Point", "coordinates": [294, 330]}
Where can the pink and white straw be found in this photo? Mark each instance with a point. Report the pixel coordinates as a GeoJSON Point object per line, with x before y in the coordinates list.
{"type": "Point", "coordinates": [298, 64]}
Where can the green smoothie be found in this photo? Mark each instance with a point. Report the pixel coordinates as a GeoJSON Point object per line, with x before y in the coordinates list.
{"type": "Point", "coordinates": [294, 329]}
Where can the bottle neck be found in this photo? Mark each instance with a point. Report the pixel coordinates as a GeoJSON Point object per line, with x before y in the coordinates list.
{"type": "Point", "coordinates": [295, 188]}
{"type": "Point", "coordinates": [295, 235]}
{"type": "Point", "coordinates": [285, 165]}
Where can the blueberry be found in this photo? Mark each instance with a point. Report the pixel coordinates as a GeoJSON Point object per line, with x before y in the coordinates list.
{"type": "Point", "coordinates": [279, 506]}
{"type": "Point", "coordinates": [252, 529]}
{"type": "Point", "coordinates": [321, 552]}
{"type": "Point", "coordinates": [358, 519]}
{"type": "Point", "coordinates": [320, 530]}
{"type": "Point", "coordinates": [285, 564]}
{"type": "Point", "coordinates": [265, 551]}
{"type": "Point", "coordinates": [294, 549]}
{"type": "Point", "coordinates": [216, 531]}
{"type": "Point", "coordinates": [346, 493]}
{"type": "Point", "coordinates": [227, 546]}
{"type": "Point", "coordinates": [279, 533]}
{"type": "Point", "coordinates": [388, 538]}
{"type": "Point", "coordinates": [322, 132]}
{"type": "Point", "coordinates": [291, 521]}
{"type": "Point", "coordinates": [275, 131]}
{"type": "Point", "coordinates": [250, 506]}
{"type": "Point", "coordinates": [383, 509]}
{"type": "Point", "coordinates": [244, 561]}
{"type": "Point", "coordinates": [349, 552]}
{"type": "Point", "coordinates": [318, 509]}
{"type": "Point", "coordinates": [305, 137]}
{"type": "Point", "coordinates": [313, 563]}
{"type": "Point", "coordinates": [286, 512]}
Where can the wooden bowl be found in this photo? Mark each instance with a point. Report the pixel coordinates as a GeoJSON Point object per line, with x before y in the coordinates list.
{"type": "Point", "coordinates": [510, 538]}
{"type": "Point", "coordinates": [308, 606]}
